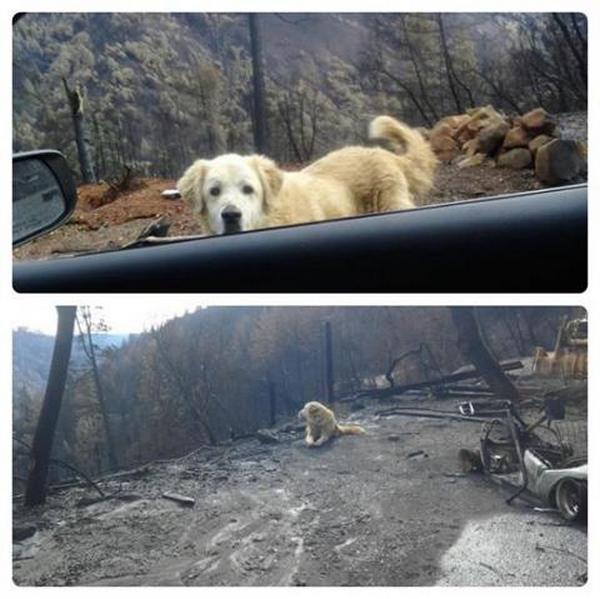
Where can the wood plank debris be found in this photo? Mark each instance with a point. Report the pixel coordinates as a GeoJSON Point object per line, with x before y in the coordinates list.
{"type": "Point", "coordinates": [467, 373]}
{"type": "Point", "coordinates": [181, 499]}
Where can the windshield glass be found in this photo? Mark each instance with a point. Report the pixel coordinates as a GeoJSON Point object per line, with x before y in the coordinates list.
{"type": "Point", "coordinates": [220, 123]}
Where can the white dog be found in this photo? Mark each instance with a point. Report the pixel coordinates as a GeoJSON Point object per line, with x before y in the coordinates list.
{"type": "Point", "coordinates": [322, 426]}
{"type": "Point", "coordinates": [237, 193]}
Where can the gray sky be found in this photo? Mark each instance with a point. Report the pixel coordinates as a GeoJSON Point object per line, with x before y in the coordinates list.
{"type": "Point", "coordinates": [131, 316]}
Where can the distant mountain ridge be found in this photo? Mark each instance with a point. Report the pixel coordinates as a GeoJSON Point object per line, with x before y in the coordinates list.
{"type": "Point", "coordinates": [32, 353]}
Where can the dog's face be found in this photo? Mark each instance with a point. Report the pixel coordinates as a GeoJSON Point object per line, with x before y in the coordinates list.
{"type": "Point", "coordinates": [313, 411]}
{"type": "Point", "coordinates": [231, 193]}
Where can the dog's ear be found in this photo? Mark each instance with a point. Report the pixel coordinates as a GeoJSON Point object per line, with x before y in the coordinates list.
{"type": "Point", "coordinates": [270, 176]}
{"type": "Point", "coordinates": [190, 185]}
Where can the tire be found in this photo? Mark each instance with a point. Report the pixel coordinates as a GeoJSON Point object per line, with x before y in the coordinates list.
{"type": "Point", "coordinates": [469, 461]}
{"type": "Point", "coordinates": [571, 499]}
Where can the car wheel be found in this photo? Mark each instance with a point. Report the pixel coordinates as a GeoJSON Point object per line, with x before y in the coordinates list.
{"type": "Point", "coordinates": [571, 499]}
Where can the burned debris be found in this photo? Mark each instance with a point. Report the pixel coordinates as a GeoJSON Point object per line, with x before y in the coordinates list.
{"type": "Point", "coordinates": [436, 436]}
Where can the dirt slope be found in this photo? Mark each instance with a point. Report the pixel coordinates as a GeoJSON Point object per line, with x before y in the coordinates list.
{"type": "Point", "coordinates": [114, 224]}
{"type": "Point", "coordinates": [386, 508]}
{"type": "Point", "coordinates": [97, 225]}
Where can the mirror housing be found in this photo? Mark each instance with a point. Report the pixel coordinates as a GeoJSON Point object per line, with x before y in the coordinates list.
{"type": "Point", "coordinates": [44, 194]}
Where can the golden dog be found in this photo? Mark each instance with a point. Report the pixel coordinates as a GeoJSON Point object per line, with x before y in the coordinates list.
{"type": "Point", "coordinates": [236, 193]}
{"type": "Point", "coordinates": [321, 425]}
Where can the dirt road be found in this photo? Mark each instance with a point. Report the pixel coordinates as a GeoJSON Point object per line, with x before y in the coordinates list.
{"type": "Point", "coordinates": [387, 508]}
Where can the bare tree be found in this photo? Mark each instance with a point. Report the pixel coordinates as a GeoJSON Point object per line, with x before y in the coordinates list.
{"type": "Point", "coordinates": [299, 112]}
{"type": "Point", "coordinates": [76, 104]}
{"type": "Point", "coordinates": [260, 124]}
{"type": "Point", "coordinates": [87, 326]}
{"type": "Point", "coordinates": [378, 64]}
{"type": "Point", "coordinates": [453, 79]}
{"type": "Point", "coordinates": [188, 379]}
{"type": "Point", "coordinates": [412, 53]}
{"type": "Point", "coordinates": [35, 493]}
{"type": "Point", "coordinates": [578, 53]}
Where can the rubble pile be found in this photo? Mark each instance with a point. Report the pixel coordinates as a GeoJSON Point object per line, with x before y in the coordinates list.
{"type": "Point", "coordinates": [532, 140]}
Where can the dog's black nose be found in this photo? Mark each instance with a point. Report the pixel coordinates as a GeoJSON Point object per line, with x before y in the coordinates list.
{"type": "Point", "coordinates": [231, 214]}
{"type": "Point", "coordinates": [232, 219]}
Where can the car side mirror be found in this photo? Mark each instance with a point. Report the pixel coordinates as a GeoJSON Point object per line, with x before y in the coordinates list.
{"type": "Point", "coordinates": [44, 194]}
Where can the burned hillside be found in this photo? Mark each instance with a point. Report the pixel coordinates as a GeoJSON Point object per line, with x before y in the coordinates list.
{"type": "Point", "coordinates": [179, 458]}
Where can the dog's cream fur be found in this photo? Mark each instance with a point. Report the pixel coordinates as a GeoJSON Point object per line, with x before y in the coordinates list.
{"type": "Point", "coordinates": [351, 181]}
{"type": "Point", "coordinates": [321, 425]}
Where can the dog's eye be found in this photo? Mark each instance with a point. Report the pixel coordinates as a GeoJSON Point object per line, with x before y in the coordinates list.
{"type": "Point", "coordinates": [214, 191]}
{"type": "Point", "coordinates": [248, 189]}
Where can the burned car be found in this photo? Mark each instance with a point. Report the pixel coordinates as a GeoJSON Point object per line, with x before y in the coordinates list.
{"type": "Point", "coordinates": [533, 460]}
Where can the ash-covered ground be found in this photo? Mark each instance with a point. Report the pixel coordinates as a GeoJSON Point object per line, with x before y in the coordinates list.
{"type": "Point", "coordinates": [387, 508]}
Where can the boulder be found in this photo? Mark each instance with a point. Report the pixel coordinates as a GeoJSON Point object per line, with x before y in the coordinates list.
{"type": "Point", "coordinates": [516, 137]}
{"type": "Point", "coordinates": [442, 129]}
{"type": "Point", "coordinates": [517, 158]}
{"type": "Point", "coordinates": [464, 134]}
{"type": "Point", "coordinates": [443, 145]}
{"type": "Point", "coordinates": [582, 148]}
{"type": "Point", "coordinates": [470, 147]}
{"type": "Point", "coordinates": [537, 142]}
{"type": "Point", "coordinates": [478, 112]}
{"type": "Point", "coordinates": [453, 121]}
{"type": "Point", "coordinates": [559, 161]}
{"type": "Point", "coordinates": [479, 118]}
{"type": "Point", "coordinates": [475, 160]}
{"type": "Point", "coordinates": [538, 121]}
{"type": "Point", "coordinates": [462, 119]}
{"type": "Point", "coordinates": [491, 137]}
{"type": "Point", "coordinates": [447, 156]}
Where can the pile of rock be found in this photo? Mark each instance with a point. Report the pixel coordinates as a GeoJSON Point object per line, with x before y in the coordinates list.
{"type": "Point", "coordinates": [527, 141]}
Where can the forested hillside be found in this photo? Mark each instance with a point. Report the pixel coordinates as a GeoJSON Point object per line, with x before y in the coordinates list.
{"type": "Point", "coordinates": [160, 90]}
{"type": "Point", "coordinates": [33, 352]}
{"type": "Point", "coordinates": [221, 373]}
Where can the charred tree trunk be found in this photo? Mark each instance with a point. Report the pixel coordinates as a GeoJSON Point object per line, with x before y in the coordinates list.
{"type": "Point", "coordinates": [113, 463]}
{"type": "Point", "coordinates": [578, 53]}
{"type": "Point", "coordinates": [417, 70]}
{"type": "Point", "coordinates": [329, 380]}
{"type": "Point", "coordinates": [272, 402]}
{"type": "Point", "coordinates": [87, 342]}
{"type": "Point", "coordinates": [474, 348]}
{"type": "Point", "coordinates": [412, 96]}
{"type": "Point", "coordinates": [35, 493]}
{"type": "Point", "coordinates": [100, 170]}
{"type": "Point", "coordinates": [82, 141]}
{"type": "Point", "coordinates": [448, 65]}
{"type": "Point", "coordinates": [261, 134]}
{"type": "Point", "coordinates": [286, 116]}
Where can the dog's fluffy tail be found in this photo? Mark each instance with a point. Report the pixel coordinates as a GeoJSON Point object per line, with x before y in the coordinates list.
{"type": "Point", "coordinates": [350, 429]}
{"type": "Point", "coordinates": [411, 148]}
